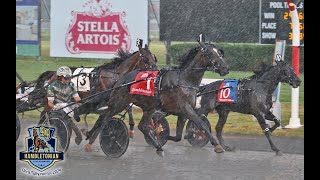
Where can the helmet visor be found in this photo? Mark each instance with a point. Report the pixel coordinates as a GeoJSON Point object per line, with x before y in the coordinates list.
{"type": "Point", "coordinates": [67, 76]}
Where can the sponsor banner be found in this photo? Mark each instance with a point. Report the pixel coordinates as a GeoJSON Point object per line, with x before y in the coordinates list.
{"type": "Point", "coordinates": [97, 28]}
{"type": "Point", "coordinates": [27, 28]}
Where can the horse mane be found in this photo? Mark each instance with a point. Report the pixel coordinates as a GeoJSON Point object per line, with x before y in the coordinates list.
{"type": "Point", "coordinates": [185, 58]}
{"type": "Point", "coordinates": [122, 56]}
{"type": "Point", "coordinates": [259, 69]}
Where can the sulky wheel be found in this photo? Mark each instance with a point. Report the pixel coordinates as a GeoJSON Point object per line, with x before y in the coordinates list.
{"type": "Point", "coordinates": [18, 126]}
{"type": "Point", "coordinates": [161, 130]}
{"type": "Point", "coordinates": [114, 138]}
{"type": "Point", "coordinates": [195, 135]}
{"type": "Point", "coordinates": [62, 132]}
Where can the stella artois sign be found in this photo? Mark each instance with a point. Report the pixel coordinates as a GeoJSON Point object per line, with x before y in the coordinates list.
{"type": "Point", "coordinates": [97, 31]}
{"type": "Point", "coordinates": [97, 28]}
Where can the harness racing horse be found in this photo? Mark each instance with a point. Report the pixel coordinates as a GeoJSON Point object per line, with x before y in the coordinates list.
{"type": "Point", "coordinates": [176, 93]}
{"type": "Point", "coordinates": [254, 96]}
{"type": "Point", "coordinates": [102, 78]}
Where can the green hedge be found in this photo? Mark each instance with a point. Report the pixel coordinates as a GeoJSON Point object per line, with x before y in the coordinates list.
{"type": "Point", "coordinates": [240, 57]}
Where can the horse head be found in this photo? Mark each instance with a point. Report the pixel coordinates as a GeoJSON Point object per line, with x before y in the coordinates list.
{"type": "Point", "coordinates": [287, 74]}
{"type": "Point", "coordinates": [147, 60]}
{"type": "Point", "coordinates": [214, 58]}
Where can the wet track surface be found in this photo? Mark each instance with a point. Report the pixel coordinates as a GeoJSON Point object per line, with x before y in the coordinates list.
{"type": "Point", "coordinates": [253, 160]}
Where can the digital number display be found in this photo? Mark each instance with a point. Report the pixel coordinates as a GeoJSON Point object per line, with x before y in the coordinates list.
{"type": "Point", "coordinates": [276, 22]}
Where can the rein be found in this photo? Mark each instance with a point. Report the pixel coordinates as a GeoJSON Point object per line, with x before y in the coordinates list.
{"type": "Point", "coordinates": [211, 91]}
{"type": "Point", "coordinates": [83, 101]}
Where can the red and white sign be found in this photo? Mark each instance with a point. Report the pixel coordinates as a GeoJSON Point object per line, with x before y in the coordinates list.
{"type": "Point", "coordinates": [97, 28]}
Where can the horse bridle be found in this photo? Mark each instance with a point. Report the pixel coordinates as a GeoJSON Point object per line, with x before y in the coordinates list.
{"type": "Point", "coordinates": [145, 60]}
{"type": "Point", "coordinates": [204, 49]}
{"type": "Point", "coordinates": [287, 77]}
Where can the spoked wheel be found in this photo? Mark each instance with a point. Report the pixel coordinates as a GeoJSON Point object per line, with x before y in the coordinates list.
{"type": "Point", "coordinates": [161, 130]}
{"type": "Point", "coordinates": [114, 138]}
{"type": "Point", "coordinates": [62, 132]}
{"type": "Point", "coordinates": [18, 126]}
{"type": "Point", "coordinates": [197, 136]}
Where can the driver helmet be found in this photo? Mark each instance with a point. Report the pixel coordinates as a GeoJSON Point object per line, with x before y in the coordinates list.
{"type": "Point", "coordinates": [64, 71]}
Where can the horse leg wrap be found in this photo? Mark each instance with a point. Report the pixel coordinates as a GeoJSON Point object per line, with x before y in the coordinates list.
{"type": "Point", "coordinates": [266, 130]}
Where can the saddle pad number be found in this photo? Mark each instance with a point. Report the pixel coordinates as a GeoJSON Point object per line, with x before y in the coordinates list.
{"type": "Point", "coordinates": [81, 82]}
{"type": "Point", "coordinates": [228, 91]}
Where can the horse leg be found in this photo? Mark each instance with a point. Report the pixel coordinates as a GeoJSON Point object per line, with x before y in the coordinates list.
{"type": "Point", "coordinates": [131, 122]}
{"type": "Point", "coordinates": [147, 131]}
{"type": "Point", "coordinates": [202, 111]}
{"type": "Point", "coordinates": [95, 130]}
{"type": "Point", "coordinates": [94, 134]}
{"type": "Point", "coordinates": [192, 116]}
{"type": "Point", "coordinates": [180, 124]}
{"type": "Point", "coordinates": [223, 115]}
{"type": "Point", "coordinates": [76, 130]}
{"type": "Point", "coordinates": [267, 132]}
{"type": "Point", "coordinates": [270, 116]}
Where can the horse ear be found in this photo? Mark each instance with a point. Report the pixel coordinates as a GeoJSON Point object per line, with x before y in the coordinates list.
{"type": "Point", "coordinates": [203, 46]}
{"type": "Point", "coordinates": [146, 47]}
{"type": "Point", "coordinates": [139, 42]}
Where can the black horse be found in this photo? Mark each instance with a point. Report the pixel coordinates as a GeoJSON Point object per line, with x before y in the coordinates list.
{"type": "Point", "coordinates": [176, 92]}
{"type": "Point", "coordinates": [254, 95]}
{"type": "Point", "coordinates": [101, 78]}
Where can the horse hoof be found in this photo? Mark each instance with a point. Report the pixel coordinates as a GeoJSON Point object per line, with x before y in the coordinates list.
{"type": "Point", "coordinates": [88, 148]}
{"type": "Point", "coordinates": [279, 153]}
{"type": "Point", "coordinates": [160, 153]}
{"type": "Point", "coordinates": [218, 149]}
{"type": "Point", "coordinates": [78, 140]}
{"type": "Point", "coordinates": [131, 133]}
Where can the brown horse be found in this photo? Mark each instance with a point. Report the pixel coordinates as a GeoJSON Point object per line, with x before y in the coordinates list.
{"type": "Point", "coordinates": [101, 78]}
{"type": "Point", "coordinates": [177, 90]}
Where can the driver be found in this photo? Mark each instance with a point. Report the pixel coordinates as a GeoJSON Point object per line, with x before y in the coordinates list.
{"type": "Point", "coordinates": [60, 93]}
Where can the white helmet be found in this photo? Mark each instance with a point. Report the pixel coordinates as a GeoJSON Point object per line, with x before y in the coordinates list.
{"type": "Point", "coordinates": [64, 71]}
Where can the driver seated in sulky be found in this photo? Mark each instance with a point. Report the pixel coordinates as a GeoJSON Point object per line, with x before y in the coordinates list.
{"type": "Point", "coordinates": [60, 94]}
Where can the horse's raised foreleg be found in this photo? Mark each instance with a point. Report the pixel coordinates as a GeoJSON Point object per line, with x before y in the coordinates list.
{"type": "Point", "coordinates": [147, 130]}
{"type": "Point", "coordinates": [267, 132]}
{"type": "Point", "coordinates": [270, 116]}
{"type": "Point", "coordinates": [192, 116]}
{"type": "Point", "coordinates": [180, 124]}
{"type": "Point", "coordinates": [131, 122]}
{"type": "Point", "coordinates": [223, 116]}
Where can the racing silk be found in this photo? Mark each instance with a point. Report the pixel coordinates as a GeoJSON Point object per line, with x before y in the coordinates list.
{"type": "Point", "coordinates": [61, 93]}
